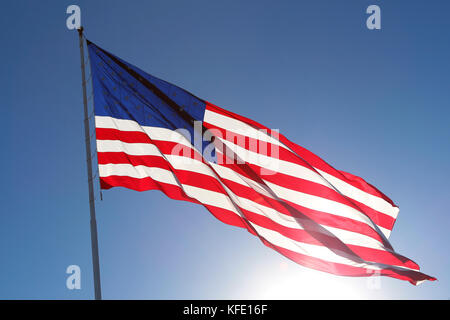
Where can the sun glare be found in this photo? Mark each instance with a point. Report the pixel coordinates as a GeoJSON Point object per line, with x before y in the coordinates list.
{"type": "Point", "coordinates": [294, 282]}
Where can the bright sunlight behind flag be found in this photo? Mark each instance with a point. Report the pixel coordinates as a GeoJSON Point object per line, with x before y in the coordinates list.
{"type": "Point", "coordinates": [154, 135]}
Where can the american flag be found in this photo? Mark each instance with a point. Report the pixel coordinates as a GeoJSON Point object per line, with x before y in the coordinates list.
{"type": "Point", "coordinates": [151, 134]}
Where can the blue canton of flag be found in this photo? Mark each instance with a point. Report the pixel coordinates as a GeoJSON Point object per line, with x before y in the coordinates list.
{"type": "Point", "coordinates": [123, 91]}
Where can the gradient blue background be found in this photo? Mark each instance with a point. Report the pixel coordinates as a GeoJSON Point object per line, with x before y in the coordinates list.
{"type": "Point", "coordinates": [374, 103]}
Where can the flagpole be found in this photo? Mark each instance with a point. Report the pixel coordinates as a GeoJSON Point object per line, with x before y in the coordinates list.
{"type": "Point", "coordinates": [87, 135]}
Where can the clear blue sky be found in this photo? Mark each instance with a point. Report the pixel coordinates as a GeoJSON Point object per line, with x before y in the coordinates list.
{"type": "Point", "coordinates": [373, 103]}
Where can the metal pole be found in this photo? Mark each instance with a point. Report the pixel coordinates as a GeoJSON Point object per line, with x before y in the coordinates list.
{"type": "Point", "coordinates": [94, 240]}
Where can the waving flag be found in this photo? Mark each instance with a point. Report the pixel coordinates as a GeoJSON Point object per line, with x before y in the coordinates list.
{"type": "Point", "coordinates": [154, 135]}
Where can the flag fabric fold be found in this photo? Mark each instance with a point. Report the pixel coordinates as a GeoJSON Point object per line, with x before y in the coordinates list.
{"type": "Point", "coordinates": [151, 134]}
